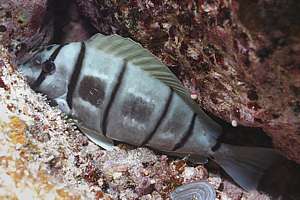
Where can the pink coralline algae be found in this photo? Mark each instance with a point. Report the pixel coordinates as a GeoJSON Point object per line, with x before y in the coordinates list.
{"type": "Point", "coordinates": [24, 25]}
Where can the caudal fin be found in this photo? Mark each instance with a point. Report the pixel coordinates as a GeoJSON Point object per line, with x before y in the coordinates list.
{"type": "Point", "coordinates": [246, 165]}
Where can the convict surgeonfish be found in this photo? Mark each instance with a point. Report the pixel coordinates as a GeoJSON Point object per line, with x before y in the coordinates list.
{"type": "Point", "coordinates": [120, 91]}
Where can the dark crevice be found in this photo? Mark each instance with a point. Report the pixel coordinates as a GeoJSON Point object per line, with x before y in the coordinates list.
{"type": "Point", "coordinates": [64, 14]}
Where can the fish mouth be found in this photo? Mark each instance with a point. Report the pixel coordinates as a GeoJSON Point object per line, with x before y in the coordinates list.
{"type": "Point", "coordinates": [26, 73]}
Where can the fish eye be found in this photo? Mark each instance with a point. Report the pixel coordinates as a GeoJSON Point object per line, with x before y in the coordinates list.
{"type": "Point", "coordinates": [48, 67]}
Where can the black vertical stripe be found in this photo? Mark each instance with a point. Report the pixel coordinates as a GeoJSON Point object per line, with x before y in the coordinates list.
{"type": "Point", "coordinates": [186, 135]}
{"type": "Point", "coordinates": [43, 75]}
{"type": "Point", "coordinates": [112, 97]}
{"type": "Point", "coordinates": [56, 52]}
{"type": "Point", "coordinates": [38, 81]}
{"type": "Point", "coordinates": [160, 119]}
{"type": "Point", "coordinates": [75, 75]}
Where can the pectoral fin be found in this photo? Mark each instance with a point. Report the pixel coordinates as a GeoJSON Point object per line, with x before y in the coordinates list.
{"type": "Point", "coordinates": [195, 159]}
{"type": "Point", "coordinates": [97, 138]}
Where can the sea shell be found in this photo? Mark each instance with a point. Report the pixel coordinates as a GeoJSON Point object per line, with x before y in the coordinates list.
{"type": "Point", "coordinates": [200, 190]}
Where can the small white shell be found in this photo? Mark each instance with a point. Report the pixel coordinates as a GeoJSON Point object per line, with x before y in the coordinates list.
{"type": "Point", "coordinates": [234, 123]}
{"type": "Point", "coordinates": [194, 96]}
{"type": "Point", "coordinates": [201, 190]}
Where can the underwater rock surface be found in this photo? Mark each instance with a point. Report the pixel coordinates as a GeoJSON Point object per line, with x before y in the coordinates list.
{"type": "Point", "coordinates": [240, 59]}
{"type": "Point", "coordinates": [73, 168]}
{"type": "Point", "coordinates": [24, 25]}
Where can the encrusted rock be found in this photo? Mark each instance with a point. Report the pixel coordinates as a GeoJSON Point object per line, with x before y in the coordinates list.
{"type": "Point", "coordinates": [24, 25]}
{"type": "Point", "coordinates": [226, 62]}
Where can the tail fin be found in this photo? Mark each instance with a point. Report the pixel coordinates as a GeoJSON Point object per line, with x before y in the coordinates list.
{"type": "Point", "coordinates": [246, 165]}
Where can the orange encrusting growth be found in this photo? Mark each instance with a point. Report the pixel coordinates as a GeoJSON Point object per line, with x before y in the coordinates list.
{"type": "Point", "coordinates": [16, 168]}
{"type": "Point", "coordinates": [17, 134]}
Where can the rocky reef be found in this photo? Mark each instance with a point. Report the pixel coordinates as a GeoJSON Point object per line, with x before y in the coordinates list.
{"type": "Point", "coordinates": [239, 59]}
{"type": "Point", "coordinates": [25, 25]}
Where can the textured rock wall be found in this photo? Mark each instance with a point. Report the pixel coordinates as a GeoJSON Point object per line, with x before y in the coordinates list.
{"type": "Point", "coordinates": [222, 52]}
{"type": "Point", "coordinates": [241, 58]}
{"type": "Point", "coordinates": [24, 25]}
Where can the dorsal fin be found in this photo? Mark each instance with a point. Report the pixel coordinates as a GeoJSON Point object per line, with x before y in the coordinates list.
{"type": "Point", "coordinates": [134, 53]}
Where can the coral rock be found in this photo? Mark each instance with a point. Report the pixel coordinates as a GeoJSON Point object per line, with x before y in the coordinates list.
{"type": "Point", "coordinates": [24, 24]}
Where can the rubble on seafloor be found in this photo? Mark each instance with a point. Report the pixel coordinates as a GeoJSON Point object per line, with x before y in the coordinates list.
{"type": "Point", "coordinates": [43, 156]}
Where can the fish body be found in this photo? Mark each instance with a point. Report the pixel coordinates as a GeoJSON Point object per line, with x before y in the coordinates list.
{"type": "Point", "coordinates": [118, 90]}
